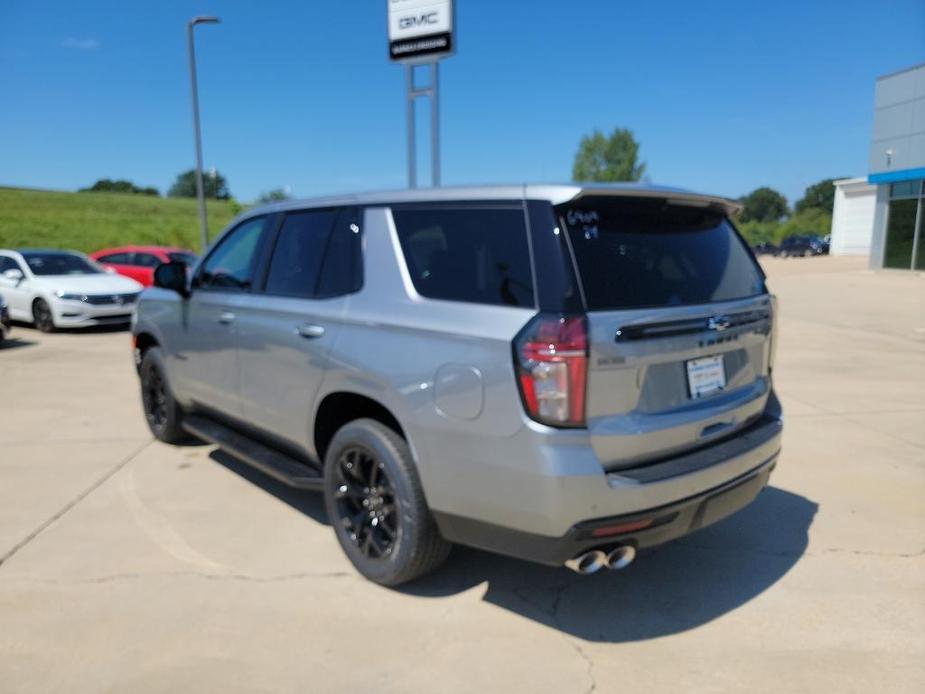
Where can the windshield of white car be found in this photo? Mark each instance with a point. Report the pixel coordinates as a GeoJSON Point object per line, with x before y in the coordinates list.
{"type": "Point", "coordinates": [59, 264]}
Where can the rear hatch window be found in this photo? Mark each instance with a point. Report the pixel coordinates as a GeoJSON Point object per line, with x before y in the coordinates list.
{"type": "Point", "coordinates": [646, 252]}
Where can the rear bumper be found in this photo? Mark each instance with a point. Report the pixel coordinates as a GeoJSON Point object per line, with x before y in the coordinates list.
{"type": "Point", "coordinates": [664, 524]}
{"type": "Point", "coordinates": [551, 516]}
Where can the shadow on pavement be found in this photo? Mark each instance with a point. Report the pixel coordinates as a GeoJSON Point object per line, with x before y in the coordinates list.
{"type": "Point", "coordinates": [89, 330]}
{"type": "Point", "coordinates": [16, 343]}
{"type": "Point", "coordinates": [667, 590]}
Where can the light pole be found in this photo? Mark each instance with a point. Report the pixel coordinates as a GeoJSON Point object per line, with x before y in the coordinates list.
{"type": "Point", "coordinates": [200, 192]}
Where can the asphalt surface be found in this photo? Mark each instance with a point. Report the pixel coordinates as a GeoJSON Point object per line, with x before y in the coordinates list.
{"type": "Point", "coordinates": [130, 566]}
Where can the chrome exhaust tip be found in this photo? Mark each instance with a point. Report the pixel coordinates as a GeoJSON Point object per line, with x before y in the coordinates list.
{"type": "Point", "coordinates": [620, 557]}
{"type": "Point", "coordinates": [587, 563]}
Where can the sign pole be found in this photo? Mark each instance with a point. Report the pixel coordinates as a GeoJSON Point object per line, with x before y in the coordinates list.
{"type": "Point", "coordinates": [421, 33]}
{"type": "Point", "coordinates": [412, 163]}
{"type": "Point", "coordinates": [434, 126]}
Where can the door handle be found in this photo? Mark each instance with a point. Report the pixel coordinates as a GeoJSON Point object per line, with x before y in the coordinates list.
{"type": "Point", "coordinates": [309, 331]}
{"type": "Point", "coordinates": [226, 317]}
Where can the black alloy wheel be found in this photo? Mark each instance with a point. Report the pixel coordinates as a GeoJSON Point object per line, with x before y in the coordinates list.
{"type": "Point", "coordinates": [365, 502]}
{"type": "Point", "coordinates": [154, 399]}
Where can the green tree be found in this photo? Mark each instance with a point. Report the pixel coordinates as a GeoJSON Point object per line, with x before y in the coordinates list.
{"type": "Point", "coordinates": [819, 196]}
{"type": "Point", "coordinates": [811, 221]}
{"type": "Point", "coordinates": [608, 158]}
{"type": "Point", "coordinates": [763, 205]}
{"type": "Point", "coordinates": [274, 195]}
{"type": "Point", "coordinates": [105, 185]}
{"type": "Point", "coordinates": [213, 183]}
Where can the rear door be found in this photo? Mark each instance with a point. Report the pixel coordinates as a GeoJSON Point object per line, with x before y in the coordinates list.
{"type": "Point", "coordinates": [286, 330]}
{"type": "Point", "coordinates": [679, 325]}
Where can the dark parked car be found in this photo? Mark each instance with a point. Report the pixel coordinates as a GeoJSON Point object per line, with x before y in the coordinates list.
{"type": "Point", "coordinates": [819, 245]}
{"type": "Point", "coordinates": [765, 248]}
{"type": "Point", "coordinates": [796, 245]}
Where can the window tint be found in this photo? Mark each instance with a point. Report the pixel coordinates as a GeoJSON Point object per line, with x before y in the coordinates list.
{"type": "Point", "coordinates": [342, 270]}
{"type": "Point", "coordinates": [146, 260]}
{"type": "Point", "coordinates": [318, 254]}
{"type": "Point", "coordinates": [478, 255]}
{"type": "Point", "coordinates": [116, 258]}
{"type": "Point", "coordinates": [231, 265]}
{"type": "Point", "coordinates": [646, 252]}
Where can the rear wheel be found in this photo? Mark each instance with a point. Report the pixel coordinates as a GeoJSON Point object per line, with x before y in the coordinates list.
{"type": "Point", "coordinates": [376, 504]}
{"type": "Point", "coordinates": [163, 414]}
{"type": "Point", "coordinates": [42, 316]}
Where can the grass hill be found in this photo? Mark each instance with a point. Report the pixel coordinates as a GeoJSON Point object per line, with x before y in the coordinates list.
{"type": "Point", "coordinates": [90, 221]}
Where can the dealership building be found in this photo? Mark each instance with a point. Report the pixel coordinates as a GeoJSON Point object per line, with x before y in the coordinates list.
{"type": "Point", "coordinates": [883, 214]}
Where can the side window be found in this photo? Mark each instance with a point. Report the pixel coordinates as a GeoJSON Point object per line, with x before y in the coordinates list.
{"type": "Point", "coordinates": [116, 259]}
{"type": "Point", "coordinates": [146, 260]}
{"type": "Point", "coordinates": [295, 267]}
{"type": "Point", "coordinates": [342, 271]}
{"type": "Point", "coordinates": [7, 263]}
{"type": "Point", "coordinates": [477, 255]}
{"type": "Point", "coordinates": [231, 265]}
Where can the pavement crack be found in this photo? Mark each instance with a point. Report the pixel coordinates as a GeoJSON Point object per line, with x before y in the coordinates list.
{"type": "Point", "coordinates": [552, 611]}
{"type": "Point", "coordinates": [72, 503]}
{"type": "Point", "coordinates": [590, 663]}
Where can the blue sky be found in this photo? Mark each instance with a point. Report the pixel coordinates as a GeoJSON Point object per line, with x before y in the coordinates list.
{"type": "Point", "coordinates": [723, 96]}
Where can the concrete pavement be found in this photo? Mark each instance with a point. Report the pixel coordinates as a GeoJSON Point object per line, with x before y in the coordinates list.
{"type": "Point", "coordinates": [131, 566]}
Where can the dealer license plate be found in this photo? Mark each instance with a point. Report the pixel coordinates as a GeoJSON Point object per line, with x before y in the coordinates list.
{"type": "Point", "coordinates": [705, 376]}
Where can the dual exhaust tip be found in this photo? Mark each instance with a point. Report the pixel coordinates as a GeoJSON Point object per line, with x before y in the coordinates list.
{"type": "Point", "coordinates": [595, 560]}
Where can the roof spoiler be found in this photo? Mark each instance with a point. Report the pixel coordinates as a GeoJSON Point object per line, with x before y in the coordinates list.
{"type": "Point", "coordinates": [672, 197]}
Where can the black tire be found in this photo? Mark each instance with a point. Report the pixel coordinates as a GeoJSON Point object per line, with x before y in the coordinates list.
{"type": "Point", "coordinates": [163, 414]}
{"type": "Point", "coordinates": [42, 316]}
{"type": "Point", "coordinates": [382, 485]}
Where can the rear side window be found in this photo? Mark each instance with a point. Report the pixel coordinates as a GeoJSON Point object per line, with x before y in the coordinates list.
{"type": "Point", "coordinates": [637, 252]}
{"type": "Point", "coordinates": [473, 254]}
{"type": "Point", "coordinates": [116, 259]}
{"type": "Point", "coordinates": [317, 255]}
{"type": "Point", "coordinates": [146, 260]}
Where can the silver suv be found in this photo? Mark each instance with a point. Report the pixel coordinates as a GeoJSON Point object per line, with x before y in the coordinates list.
{"type": "Point", "coordinates": [564, 374]}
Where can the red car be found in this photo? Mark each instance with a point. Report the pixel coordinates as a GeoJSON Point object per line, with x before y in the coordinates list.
{"type": "Point", "coordinates": [138, 262]}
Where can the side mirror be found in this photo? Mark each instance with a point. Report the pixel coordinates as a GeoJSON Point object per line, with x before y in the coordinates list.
{"type": "Point", "coordinates": [14, 274]}
{"type": "Point", "coordinates": [172, 276]}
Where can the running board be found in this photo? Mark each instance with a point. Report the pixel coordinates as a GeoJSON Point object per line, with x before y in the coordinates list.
{"type": "Point", "coordinates": [269, 461]}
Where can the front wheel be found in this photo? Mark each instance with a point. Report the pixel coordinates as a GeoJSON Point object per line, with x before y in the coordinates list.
{"type": "Point", "coordinates": [42, 316]}
{"type": "Point", "coordinates": [376, 504]}
{"type": "Point", "coordinates": [162, 412]}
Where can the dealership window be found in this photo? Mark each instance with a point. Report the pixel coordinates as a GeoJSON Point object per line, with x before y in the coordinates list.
{"type": "Point", "coordinates": [905, 245]}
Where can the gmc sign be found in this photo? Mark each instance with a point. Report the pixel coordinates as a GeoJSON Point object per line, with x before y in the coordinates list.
{"type": "Point", "coordinates": [420, 30]}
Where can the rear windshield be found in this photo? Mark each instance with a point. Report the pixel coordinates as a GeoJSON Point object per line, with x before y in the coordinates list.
{"type": "Point", "coordinates": [637, 252]}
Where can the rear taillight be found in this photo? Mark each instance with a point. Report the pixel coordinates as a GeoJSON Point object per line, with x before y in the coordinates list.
{"type": "Point", "coordinates": [551, 359]}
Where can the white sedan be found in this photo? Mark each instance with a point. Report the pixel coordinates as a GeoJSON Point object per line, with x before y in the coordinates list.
{"type": "Point", "coordinates": [64, 289]}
